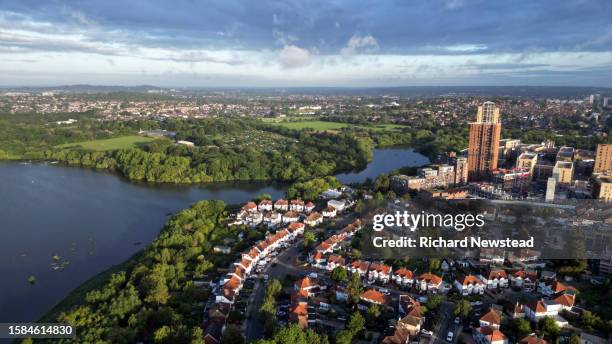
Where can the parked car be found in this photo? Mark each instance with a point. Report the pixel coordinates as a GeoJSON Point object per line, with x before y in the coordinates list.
{"type": "Point", "coordinates": [426, 333]}
{"type": "Point", "coordinates": [457, 320]}
{"type": "Point", "coordinates": [449, 337]}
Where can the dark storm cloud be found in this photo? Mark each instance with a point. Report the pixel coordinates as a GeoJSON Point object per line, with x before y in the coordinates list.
{"type": "Point", "coordinates": [400, 27]}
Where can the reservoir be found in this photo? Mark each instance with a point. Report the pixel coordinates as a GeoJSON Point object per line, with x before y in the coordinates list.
{"type": "Point", "coordinates": [383, 161]}
{"type": "Point", "coordinates": [86, 221]}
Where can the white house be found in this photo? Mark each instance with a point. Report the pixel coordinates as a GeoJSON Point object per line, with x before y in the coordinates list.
{"type": "Point", "coordinates": [314, 219]}
{"type": "Point", "coordinates": [297, 205]}
{"type": "Point", "coordinates": [359, 266]}
{"type": "Point", "coordinates": [495, 279]}
{"type": "Point", "coordinates": [525, 280]}
{"type": "Point", "coordinates": [273, 218]}
{"type": "Point", "coordinates": [329, 212]}
{"type": "Point", "coordinates": [379, 272]}
{"type": "Point", "coordinates": [290, 216]}
{"type": "Point", "coordinates": [469, 284]}
{"type": "Point", "coordinates": [339, 205]}
{"type": "Point", "coordinates": [492, 319]}
{"type": "Point", "coordinates": [403, 277]}
{"type": "Point", "coordinates": [541, 308]}
{"type": "Point", "coordinates": [281, 205]}
{"type": "Point", "coordinates": [309, 207]}
{"type": "Point", "coordinates": [429, 282]}
{"type": "Point", "coordinates": [334, 261]}
{"type": "Point", "coordinates": [265, 205]}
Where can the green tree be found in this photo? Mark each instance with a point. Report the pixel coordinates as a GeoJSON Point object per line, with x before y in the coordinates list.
{"type": "Point", "coordinates": [339, 274]}
{"type": "Point", "coordinates": [232, 335]}
{"type": "Point", "coordinates": [521, 327]}
{"type": "Point", "coordinates": [434, 302]}
{"type": "Point", "coordinates": [549, 327]}
{"type": "Point", "coordinates": [462, 309]}
{"type": "Point", "coordinates": [354, 288]}
{"type": "Point", "coordinates": [372, 314]}
{"type": "Point", "coordinates": [309, 238]}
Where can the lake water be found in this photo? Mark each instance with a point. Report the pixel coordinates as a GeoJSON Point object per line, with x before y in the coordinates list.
{"type": "Point", "coordinates": [383, 161]}
{"type": "Point", "coordinates": [95, 220]}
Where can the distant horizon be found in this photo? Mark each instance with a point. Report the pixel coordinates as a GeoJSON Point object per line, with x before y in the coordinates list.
{"type": "Point", "coordinates": [306, 43]}
{"type": "Point", "coordinates": [293, 87]}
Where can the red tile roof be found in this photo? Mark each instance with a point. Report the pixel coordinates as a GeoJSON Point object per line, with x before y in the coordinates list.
{"type": "Point", "coordinates": [469, 279]}
{"type": "Point", "coordinates": [372, 295]}
{"type": "Point", "coordinates": [430, 278]}
{"type": "Point", "coordinates": [380, 268]}
{"type": "Point", "coordinates": [537, 306]}
{"type": "Point", "coordinates": [565, 300]}
{"type": "Point", "coordinates": [405, 273]}
{"type": "Point", "coordinates": [491, 334]}
{"type": "Point", "coordinates": [492, 317]}
{"type": "Point", "coordinates": [250, 206]}
{"type": "Point", "coordinates": [532, 339]}
{"type": "Point", "coordinates": [493, 274]}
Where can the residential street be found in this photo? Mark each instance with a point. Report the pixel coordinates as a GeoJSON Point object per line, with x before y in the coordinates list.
{"type": "Point", "coordinates": [253, 327]}
{"type": "Point", "coordinates": [445, 323]}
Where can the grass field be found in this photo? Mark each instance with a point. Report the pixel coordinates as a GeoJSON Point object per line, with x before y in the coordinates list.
{"type": "Point", "coordinates": [324, 125]}
{"type": "Point", "coordinates": [110, 144]}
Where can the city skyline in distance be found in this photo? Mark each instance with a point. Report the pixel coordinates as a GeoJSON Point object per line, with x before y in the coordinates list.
{"type": "Point", "coordinates": [297, 44]}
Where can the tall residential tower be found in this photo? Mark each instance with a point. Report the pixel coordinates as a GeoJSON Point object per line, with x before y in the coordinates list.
{"type": "Point", "coordinates": [603, 159]}
{"type": "Point", "coordinates": [483, 150]}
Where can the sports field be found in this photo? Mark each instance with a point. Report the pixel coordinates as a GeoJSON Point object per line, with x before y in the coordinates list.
{"type": "Point", "coordinates": [327, 126]}
{"type": "Point", "coordinates": [110, 144]}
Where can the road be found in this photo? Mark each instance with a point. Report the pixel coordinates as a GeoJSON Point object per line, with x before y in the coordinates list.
{"type": "Point", "coordinates": [253, 327]}
{"type": "Point", "coordinates": [445, 324]}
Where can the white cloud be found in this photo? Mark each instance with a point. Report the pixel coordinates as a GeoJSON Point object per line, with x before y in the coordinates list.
{"type": "Point", "coordinates": [453, 4]}
{"type": "Point", "coordinates": [465, 48]}
{"type": "Point", "coordinates": [359, 44]}
{"type": "Point", "coordinates": [292, 56]}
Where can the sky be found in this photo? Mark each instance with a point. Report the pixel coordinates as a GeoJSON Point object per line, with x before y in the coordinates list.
{"type": "Point", "coordinates": [354, 43]}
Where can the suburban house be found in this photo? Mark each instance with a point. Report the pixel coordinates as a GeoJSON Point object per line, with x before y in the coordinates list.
{"type": "Point", "coordinates": [487, 335]}
{"type": "Point", "coordinates": [250, 207]}
{"type": "Point", "coordinates": [359, 266]}
{"type": "Point", "coordinates": [265, 205]}
{"type": "Point", "coordinates": [525, 280]}
{"type": "Point", "coordinates": [329, 212]}
{"type": "Point", "coordinates": [374, 297]}
{"type": "Point", "coordinates": [495, 279]}
{"type": "Point", "coordinates": [532, 339]}
{"type": "Point", "coordinates": [334, 261]}
{"type": "Point", "coordinates": [281, 205]}
{"type": "Point", "coordinates": [314, 219]}
{"type": "Point", "coordinates": [541, 308]}
{"type": "Point", "coordinates": [469, 284]}
{"type": "Point", "coordinates": [298, 313]}
{"type": "Point", "coordinates": [305, 287]}
{"type": "Point", "coordinates": [295, 228]}
{"type": "Point", "coordinates": [379, 272]}
{"type": "Point", "coordinates": [429, 282]}
{"type": "Point", "coordinates": [550, 289]}
{"type": "Point", "coordinates": [272, 218]}
{"type": "Point", "coordinates": [290, 216]}
{"type": "Point", "coordinates": [403, 277]}
{"type": "Point", "coordinates": [339, 205]}
{"type": "Point", "coordinates": [491, 319]}
{"type": "Point", "coordinates": [309, 207]}
{"type": "Point", "coordinates": [517, 311]}
{"type": "Point", "coordinates": [297, 205]}
{"type": "Point", "coordinates": [565, 301]}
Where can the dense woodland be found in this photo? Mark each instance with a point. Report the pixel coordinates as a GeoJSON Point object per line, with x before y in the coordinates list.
{"type": "Point", "coordinates": [153, 299]}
